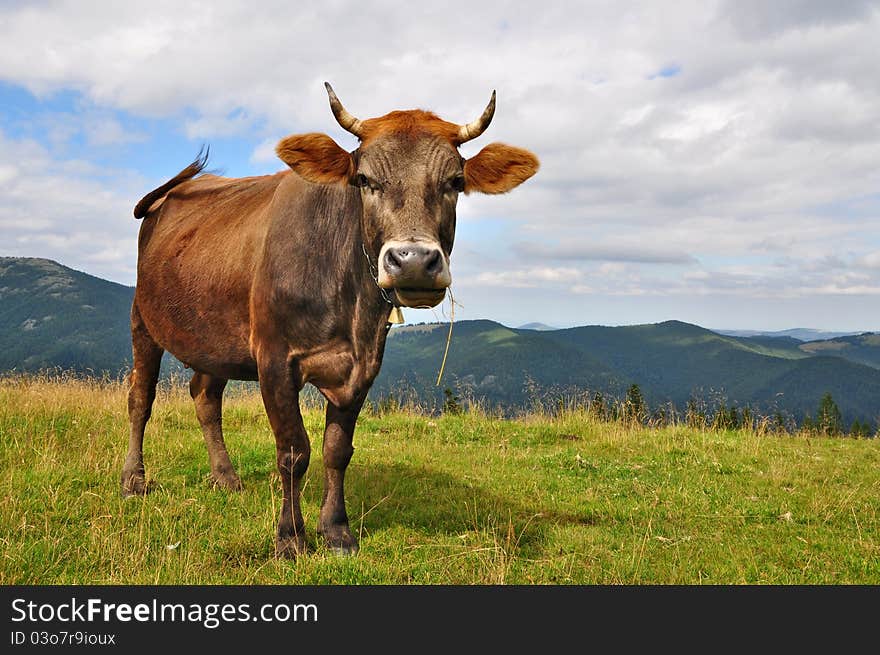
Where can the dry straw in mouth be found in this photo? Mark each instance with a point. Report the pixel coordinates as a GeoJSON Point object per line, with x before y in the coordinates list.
{"type": "Point", "coordinates": [448, 336]}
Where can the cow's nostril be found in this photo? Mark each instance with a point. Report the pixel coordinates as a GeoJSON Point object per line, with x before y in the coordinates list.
{"type": "Point", "coordinates": [392, 263]}
{"type": "Point", "coordinates": [433, 263]}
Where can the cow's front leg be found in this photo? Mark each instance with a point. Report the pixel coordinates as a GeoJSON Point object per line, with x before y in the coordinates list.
{"type": "Point", "coordinates": [337, 452]}
{"type": "Point", "coordinates": [280, 391]}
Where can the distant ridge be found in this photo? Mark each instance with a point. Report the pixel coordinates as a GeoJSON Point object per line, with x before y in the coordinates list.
{"type": "Point", "coordinates": [863, 348]}
{"type": "Point", "coordinates": [801, 334]}
{"type": "Point", "coordinates": [541, 327]}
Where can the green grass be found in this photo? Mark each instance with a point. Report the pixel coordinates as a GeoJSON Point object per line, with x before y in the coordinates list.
{"type": "Point", "coordinates": [464, 499]}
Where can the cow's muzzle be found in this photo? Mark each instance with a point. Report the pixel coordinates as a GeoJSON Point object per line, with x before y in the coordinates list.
{"type": "Point", "coordinates": [418, 271]}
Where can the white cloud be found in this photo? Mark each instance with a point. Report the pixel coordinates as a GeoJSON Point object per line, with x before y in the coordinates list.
{"type": "Point", "coordinates": [871, 260]}
{"type": "Point", "coordinates": [619, 251]}
{"type": "Point", "coordinates": [758, 19]}
{"type": "Point", "coordinates": [58, 210]}
{"type": "Point", "coordinates": [265, 151]}
{"type": "Point", "coordinates": [527, 278]}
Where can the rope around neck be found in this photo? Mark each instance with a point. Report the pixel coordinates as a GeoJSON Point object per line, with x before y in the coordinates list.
{"type": "Point", "coordinates": [374, 273]}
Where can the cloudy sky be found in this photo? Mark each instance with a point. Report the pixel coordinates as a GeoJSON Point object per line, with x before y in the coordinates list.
{"type": "Point", "coordinates": [712, 162]}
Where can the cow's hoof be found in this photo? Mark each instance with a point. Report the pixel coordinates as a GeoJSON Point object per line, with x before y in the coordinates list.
{"type": "Point", "coordinates": [339, 540]}
{"type": "Point", "coordinates": [227, 481]}
{"type": "Point", "coordinates": [291, 547]}
{"type": "Point", "coordinates": [134, 484]}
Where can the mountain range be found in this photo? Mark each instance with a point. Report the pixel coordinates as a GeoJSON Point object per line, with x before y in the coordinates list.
{"type": "Point", "coordinates": [671, 362]}
{"type": "Point", "coordinates": [52, 316]}
{"type": "Point", "coordinates": [801, 334]}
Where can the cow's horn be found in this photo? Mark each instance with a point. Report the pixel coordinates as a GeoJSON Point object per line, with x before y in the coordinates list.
{"type": "Point", "coordinates": [475, 129]}
{"type": "Point", "coordinates": [346, 120]}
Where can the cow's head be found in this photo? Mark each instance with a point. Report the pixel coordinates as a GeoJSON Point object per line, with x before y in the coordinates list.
{"type": "Point", "coordinates": [409, 174]}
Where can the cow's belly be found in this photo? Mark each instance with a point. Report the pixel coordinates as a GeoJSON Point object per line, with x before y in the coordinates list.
{"type": "Point", "coordinates": [207, 338]}
{"type": "Point", "coordinates": [197, 313]}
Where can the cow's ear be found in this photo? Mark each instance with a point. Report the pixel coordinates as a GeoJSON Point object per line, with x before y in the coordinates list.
{"type": "Point", "coordinates": [316, 157]}
{"type": "Point", "coordinates": [498, 168]}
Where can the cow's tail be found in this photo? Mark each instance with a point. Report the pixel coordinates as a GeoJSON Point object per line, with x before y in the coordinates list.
{"type": "Point", "coordinates": [198, 165]}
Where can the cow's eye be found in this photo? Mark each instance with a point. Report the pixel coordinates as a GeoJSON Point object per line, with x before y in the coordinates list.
{"type": "Point", "coordinates": [366, 183]}
{"type": "Point", "coordinates": [456, 183]}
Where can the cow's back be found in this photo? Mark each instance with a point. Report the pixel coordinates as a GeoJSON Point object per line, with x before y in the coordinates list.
{"type": "Point", "coordinates": [199, 247]}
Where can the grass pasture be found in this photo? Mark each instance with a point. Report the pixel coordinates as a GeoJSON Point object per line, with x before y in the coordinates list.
{"type": "Point", "coordinates": [455, 499]}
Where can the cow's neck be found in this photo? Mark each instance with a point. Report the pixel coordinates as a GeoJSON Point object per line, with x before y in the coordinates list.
{"type": "Point", "coordinates": [315, 290]}
{"type": "Point", "coordinates": [365, 319]}
{"type": "Point", "coordinates": [367, 305]}
{"type": "Point", "coordinates": [313, 261]}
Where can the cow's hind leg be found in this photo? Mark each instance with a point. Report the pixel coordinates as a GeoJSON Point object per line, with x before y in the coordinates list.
{"type": "Point", "coordinates": [280, 391]}
{"type": "Point", "coordinates": [337, 452]}
{"type": "Point", "coordinates": [147, 358]}
{"type": "Point", "coordinates": [207, 394]}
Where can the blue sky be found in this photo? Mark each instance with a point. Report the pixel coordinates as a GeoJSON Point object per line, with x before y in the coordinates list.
{"type": "Point", "coordinates": [708, 162]}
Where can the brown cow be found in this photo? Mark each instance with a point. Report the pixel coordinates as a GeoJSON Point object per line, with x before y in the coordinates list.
{"type": "Point", "coordinates": [291, 278]}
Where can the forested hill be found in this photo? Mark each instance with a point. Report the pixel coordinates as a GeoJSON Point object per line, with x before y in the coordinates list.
{"type": "Point", "coordinates": [53, 316]}
{"type": "Point", "coordinates": [671, 362]}
{"type": "Point", "coordinates": [862, 348]}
